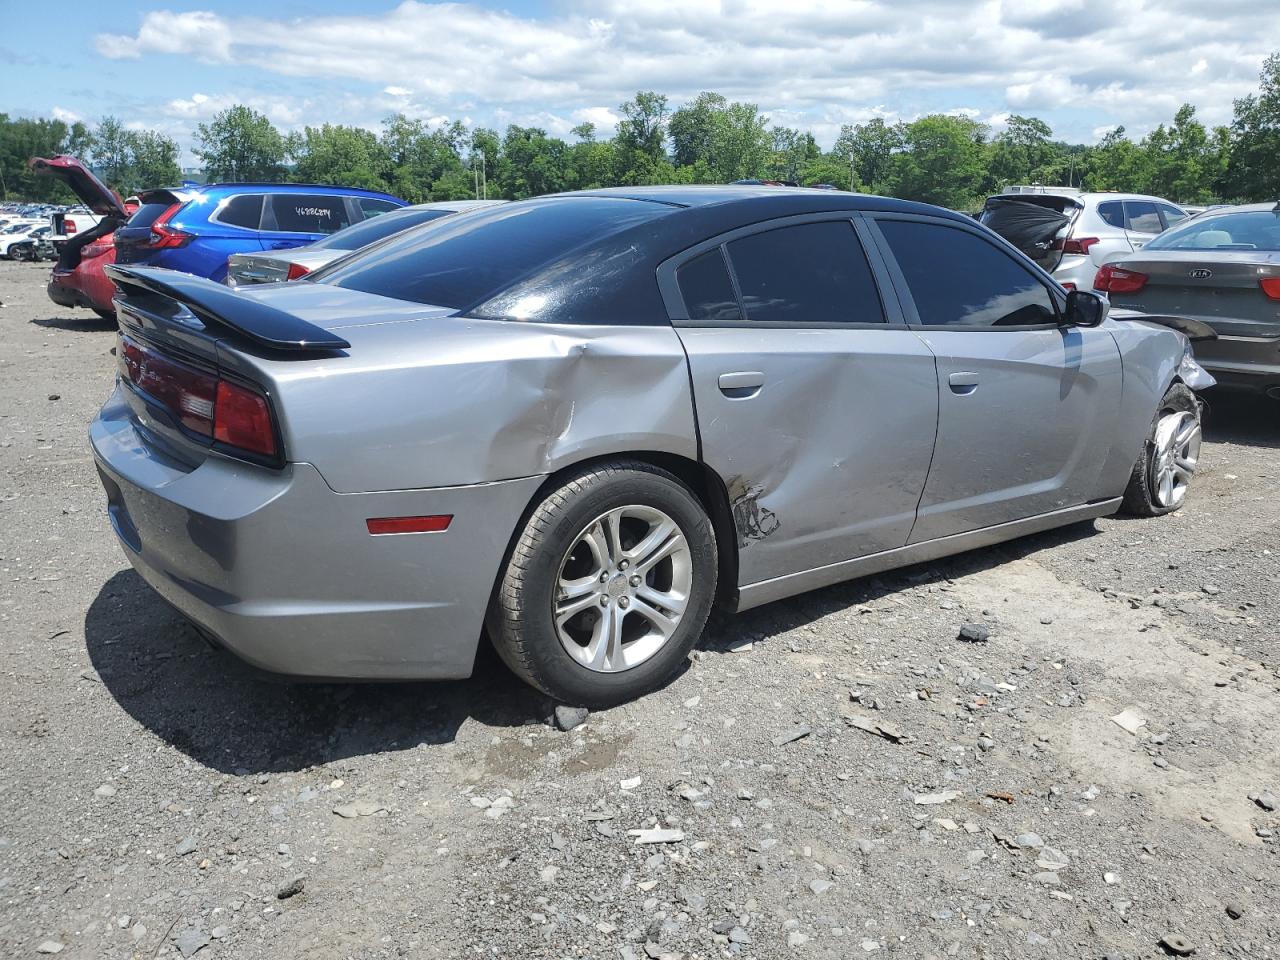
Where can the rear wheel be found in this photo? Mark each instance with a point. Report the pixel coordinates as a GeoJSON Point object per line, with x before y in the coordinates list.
{"type": "Point", "coordinates": [1162, 476]}
{"type": "Point", "coordinates": [608, 586]}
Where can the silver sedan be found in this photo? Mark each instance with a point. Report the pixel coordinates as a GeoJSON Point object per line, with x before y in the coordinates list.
{"type": "Point", "coordinates": [574, 423]}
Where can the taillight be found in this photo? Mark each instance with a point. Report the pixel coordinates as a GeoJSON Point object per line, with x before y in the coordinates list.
{"type": "Point", "coordinates": [210, 407]}
{"type": "Point", "coordinates": [95, 249]}
{"type": "Point", "coordinates": [1271, 287]}
{"type": "Point", "coordinates": [1113, 279]}
{"type": "Point", "coordinates": [1079, 245]}
{"type": "Point", "coordinates": [1068, 285]}
{"type": "Point", "coordinates": [381, 526]}
{"type": "Point", "coordinates": [241, 418]}
{"type": "Point", "coordinates": [68, 226]}
{"type": "Point", "coordinates": [163, 236]}
{"type": "Point", "coordinates": [297, 270]}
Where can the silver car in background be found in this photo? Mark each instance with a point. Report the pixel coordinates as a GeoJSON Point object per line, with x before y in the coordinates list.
{"type": "Point", "coordinates": [1223, 269]}
{"type": "Point", "coordinates": [274, 265]}
{"type": "Point", "coordinates": [576, 422]}
{"type": "Point", "coordinates": [1071, 234]}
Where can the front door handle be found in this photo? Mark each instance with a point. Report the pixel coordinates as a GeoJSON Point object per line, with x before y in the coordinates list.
{"type": "Point", "coordinates": [741, 384]}
{"type": "Point", "coordinates": [963, 383]}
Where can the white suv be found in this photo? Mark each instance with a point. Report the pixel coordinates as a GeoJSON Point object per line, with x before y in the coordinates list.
{"type": "Point", "coordinates": [1071, 234]}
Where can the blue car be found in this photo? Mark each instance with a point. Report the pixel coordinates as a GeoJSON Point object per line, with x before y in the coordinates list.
{"type": "Point", "coordinates": [195, 229]}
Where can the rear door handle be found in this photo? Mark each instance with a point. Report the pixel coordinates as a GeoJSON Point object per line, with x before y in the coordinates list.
{"type": "Point", "coordinates": [963, 383]}
{"type": "Point", "coordinates": [741, 384]}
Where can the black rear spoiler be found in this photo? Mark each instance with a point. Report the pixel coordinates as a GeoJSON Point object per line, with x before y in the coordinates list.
{"type": "Point", "coordinates": [222, 306]}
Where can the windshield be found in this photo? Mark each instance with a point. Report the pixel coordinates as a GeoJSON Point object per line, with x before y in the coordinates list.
{"type": "Point", "coordinates": [376, 228]}
{"type": "Point", "coordinates": [462, 261]}
{"type": "Point", "coordinates": [1247, 230]}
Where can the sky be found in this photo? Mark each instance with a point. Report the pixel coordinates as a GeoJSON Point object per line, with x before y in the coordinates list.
{"type": "Point", "coordinates": [1084, 66]}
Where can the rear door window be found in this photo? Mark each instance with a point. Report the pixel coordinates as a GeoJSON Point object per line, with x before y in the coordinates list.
{"type": "Point", "coordinates": [810, 273]}
{"type": "Point", "coordinates": [959, 279]}
{"type": "Point", "coordinates": [305, 213]}
{"type": "Point", "coordinates": [1141, 216]}
{"type": "Point", "coordinates": [707, 290]}
{"type": "Point", "coordinates": [244, 211]}
{"type": "Point", "coordinates": [372, 206]}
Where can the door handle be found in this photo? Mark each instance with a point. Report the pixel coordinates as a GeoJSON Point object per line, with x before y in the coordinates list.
{"type": "Point", "coordinates": [963, 383]}
{"type": "Point", "coordinates": [741, 384]}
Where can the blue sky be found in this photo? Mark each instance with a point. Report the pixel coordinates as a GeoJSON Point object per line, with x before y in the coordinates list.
{"type": "Point", "coordinates": [1082, 65]}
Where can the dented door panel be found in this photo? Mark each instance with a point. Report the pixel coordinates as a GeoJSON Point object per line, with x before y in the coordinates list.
{"type": "Point", "coordinates": [826, 458]}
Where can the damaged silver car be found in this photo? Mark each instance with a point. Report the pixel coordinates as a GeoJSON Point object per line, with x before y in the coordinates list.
{"type": "Point", "coordinates": [576, 422]}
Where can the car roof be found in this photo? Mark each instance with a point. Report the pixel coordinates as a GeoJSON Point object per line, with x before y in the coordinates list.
{"type": "Point", "coordinates": [282, 188]}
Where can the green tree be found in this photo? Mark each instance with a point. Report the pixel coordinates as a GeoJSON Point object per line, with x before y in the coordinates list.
{"type": "Point", "coordinates": [1253, 171]}
{"type": "Point", "coordinates": [532, 163]}
{"type": "Point", "coordinates": [21, 139]}
{"type": "Point", "coordinates": [1024, 151]}
{"type": "Point", "coordinates": [640, 142]}
{"type": "Point", "coordinates": [942, 162]}
{"type": "Point", "coordinates": [241, 144]}
{"type": "Point", "coordinates": [1117, 163]}
{"type": "Point", "coordinates": [111, 152]}
{"type": "Point", "coordinates": [868, 149]}
{"type": "Point", "coordinates": [333, 153]}
{"type": "Point", "coordinates": [153, 161]}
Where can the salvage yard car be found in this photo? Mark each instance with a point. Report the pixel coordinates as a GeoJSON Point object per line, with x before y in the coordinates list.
{"type": "Point", "coordinates": [579, 420]}
{"type": "Point", "coordinates": [1223, 269]}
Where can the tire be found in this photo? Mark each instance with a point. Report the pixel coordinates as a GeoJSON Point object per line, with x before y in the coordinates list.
{"type": "Point", "coordinates": [1166, 449]}
{"type": "Point", "coordinates": [566, 542]}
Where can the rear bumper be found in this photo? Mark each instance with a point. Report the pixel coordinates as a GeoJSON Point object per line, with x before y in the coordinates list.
{"type": "Point", "coordinates": [282, 571]}
{"type": "Point", "coordinates": [85, 286]}
{"type": "Point", "coordinates": [1249, 363]}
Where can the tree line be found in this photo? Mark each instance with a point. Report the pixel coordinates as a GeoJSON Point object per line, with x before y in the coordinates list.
{"type": "Point", "coordinates": [953, 161]}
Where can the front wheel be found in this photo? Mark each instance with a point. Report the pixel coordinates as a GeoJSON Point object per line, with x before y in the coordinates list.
{"type": "Point", "coordinates": [1162, 476]}
{"type": "Point", "coordinates": [608, 585]}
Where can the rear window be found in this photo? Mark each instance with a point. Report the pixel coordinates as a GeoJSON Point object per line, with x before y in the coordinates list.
{"type": "Point", "coordinates": [1142, 216]}
{"type": "Point", "coordinates": [379, 228]}
{"type": "Point", "coordinates": [305, 213]}
{"type": "Point", "coordinates": [242, 211]}
{"type": "Point", "coordinates": [1256, 230]}
{"type": "Point", "coordinates": [806, 274]}
{"type": "Point", "coordinates": [373, 207]}
{"type": "Point", "coordinates": [1112, 213]}
{"type": "Point", "coordinates": [459, 262]}
{"type": "Point", "coordinates": [707, 290]}
{"type": "Point", "coordinates": [147, 214]}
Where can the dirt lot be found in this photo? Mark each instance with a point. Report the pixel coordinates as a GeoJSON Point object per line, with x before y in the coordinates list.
{"type": "Point", "coordinates": [157, 798]}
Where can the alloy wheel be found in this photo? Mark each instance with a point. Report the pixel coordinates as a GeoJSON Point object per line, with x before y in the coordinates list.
{"type": "Point", "coordinates": [1174, 459]}
{"type": "Point", "coordinates": [622, 589]}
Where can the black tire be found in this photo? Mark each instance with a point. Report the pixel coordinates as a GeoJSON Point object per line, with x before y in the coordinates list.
{"type": "Point", "coordinates": [1138, 500]}
{"type": "Point", "coordinates": [520, 621]}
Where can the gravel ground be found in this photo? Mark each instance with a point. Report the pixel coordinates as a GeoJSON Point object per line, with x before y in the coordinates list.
{"type": "Point", "coordinates": [833, 776]}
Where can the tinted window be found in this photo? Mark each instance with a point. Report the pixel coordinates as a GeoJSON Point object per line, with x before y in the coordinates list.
{"type": "Point", "coordinates": [958, 278]}
{"type": "Point", "coordinates": [306, 213]}
{"type": "Point", "coordinates": [1142, 217]}
{"type": "Point", "coordinates": [372, 207]}
{"type": "Point", "coordinates": [147, 214]}
{"type": "Point", "coordinates": [242, 211]}
{"type": "Point", "coordinates": [1112, 213]}
{"type": "Point", "coordinates": [706, 289]}
{"type": "Point", "coordinates": [367, 231]}
{"type": "Point", "coordinates": [1171, 214]}
{"type": "Point", "coordinates": [809, 273]}
{"type": "Point", "coordinates": [1255, 230]}
{"type": "Point", "coordinates": [453, 262]}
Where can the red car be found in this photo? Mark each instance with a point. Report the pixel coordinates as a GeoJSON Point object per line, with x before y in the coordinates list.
{"type": "Point", "coordinates": [77, 279]}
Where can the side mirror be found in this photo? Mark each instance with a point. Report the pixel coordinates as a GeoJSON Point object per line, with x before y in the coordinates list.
{"type": "Point", "coordinates": [1085, 309]}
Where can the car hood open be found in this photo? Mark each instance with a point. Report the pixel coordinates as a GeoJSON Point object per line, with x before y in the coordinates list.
{"type": "Point", "coordinates": [95, 194]}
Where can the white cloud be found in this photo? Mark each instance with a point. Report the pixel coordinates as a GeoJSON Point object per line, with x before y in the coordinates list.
{"type": "Point", "coordinates": [65, 115]}
{"type": "Point", "coordinates": [819, 65]}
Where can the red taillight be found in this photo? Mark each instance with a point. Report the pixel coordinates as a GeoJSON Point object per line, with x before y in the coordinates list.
{"type": "Point", "coordinates": [163, 236]}
{"type": "Point", "coordinates": [186, 392]}
{"type": "Point", "coordinates": [68, 226]}
{"type": "Point", "coordinates": [1113, 279]}
{"type": "Point", "coordinates": [297, 270]}
{"type": "Point", "coordinates": [1271, 287]}
{"type": "Point", "coordinates": [1079, 245]}
{"type": "Point", "coordinates": [433, 524]}
{"type": "Point", "coordinates": [215, 409]}
{"type": "Point", "coordinates": [241, 418]}
{"type": "Point", "coordinates": [1068, 286]}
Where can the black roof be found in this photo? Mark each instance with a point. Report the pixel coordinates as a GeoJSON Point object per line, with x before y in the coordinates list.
{"type": "Point", "coordinates": [770, 201]}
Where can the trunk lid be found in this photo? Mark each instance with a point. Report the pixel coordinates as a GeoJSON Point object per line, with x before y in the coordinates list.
{"type": "Point", "coordinates": [245, 269]}
{"type": "Point", "coordinates": [1037, 224]}
{"type": "Point", "coordinates": [1221, 289]}
{"type": "Point", "coordinates": [133, 239]}
{"type": "Point", "coordinates": [93, 193]}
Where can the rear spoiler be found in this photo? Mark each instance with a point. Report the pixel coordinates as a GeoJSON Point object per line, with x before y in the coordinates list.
{"type": "Point", "coordinates": [224, 306]}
